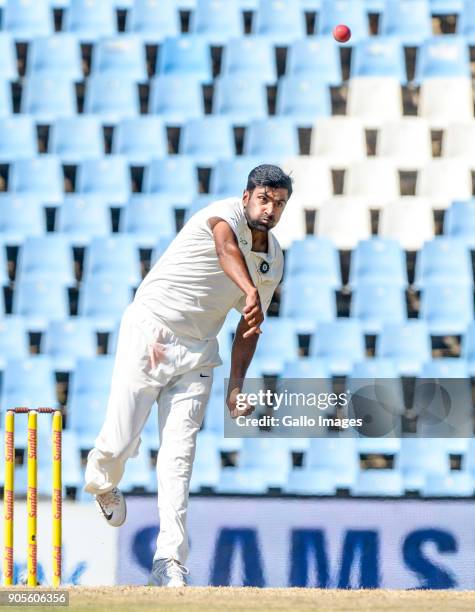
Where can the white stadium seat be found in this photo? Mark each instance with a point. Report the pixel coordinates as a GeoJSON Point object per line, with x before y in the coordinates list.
{"type": "Point", "coordinates": [292, 225]}
{"type": "Point", "coordinates": [375, 180]}
{"type": "Point", "coordinates": [374, 100]}
{"type": "Point", "coordinates": [406, 141]}
{"type": "Point", "coordinates": [345, 221]}
{"type": "Point", "coordinates": [459, 141]}
{"type": "Point", "coordinates": [312, 181]}
{"type": "Point", "coordinates": [444, 100]}
{"type": "Point", "coordinates": [409, 220]}
{"type": "Point", "coordinates": [340, 140]}
{"type": "Point", "coordinates": [442, 181]}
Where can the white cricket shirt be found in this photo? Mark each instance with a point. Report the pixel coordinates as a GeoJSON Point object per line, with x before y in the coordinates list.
{"type": "Point", "coordinates": [188, 291]}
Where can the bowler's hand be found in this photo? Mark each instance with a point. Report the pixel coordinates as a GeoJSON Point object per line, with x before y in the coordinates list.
{"type": "Point", "coordinates": [234, 410]}
{"type": "Point", "coordinates": [252, 313]}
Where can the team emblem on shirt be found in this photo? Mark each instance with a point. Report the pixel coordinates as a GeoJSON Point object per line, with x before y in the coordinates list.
{"type": "Point", "coordinates": [264, 267]}
{"type": "Point", "coordinates": [243, 241]}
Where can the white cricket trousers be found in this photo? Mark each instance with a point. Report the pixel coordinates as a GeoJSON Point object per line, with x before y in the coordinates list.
{"type": "Point", "coordinates": [152, 364]}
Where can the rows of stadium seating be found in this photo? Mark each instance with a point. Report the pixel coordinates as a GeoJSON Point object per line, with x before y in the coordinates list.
{"type": "Point", "coordinates": [74, 179]}
{"type": "Point", "coordinates": [220, 20]}
{"type": "Point", "coordinates": [443, 468]}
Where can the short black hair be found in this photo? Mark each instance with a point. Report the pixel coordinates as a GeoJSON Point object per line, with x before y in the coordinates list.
{"type": "Point", "coordinates": [271, 176]}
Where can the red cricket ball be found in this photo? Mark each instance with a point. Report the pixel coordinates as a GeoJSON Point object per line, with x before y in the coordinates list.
{"type": "Point", "coordinates": [342, 33]}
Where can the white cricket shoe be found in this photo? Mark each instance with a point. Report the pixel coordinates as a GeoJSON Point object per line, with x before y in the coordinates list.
{"type": "Point", "coordinates": [112, 507]}
{"type": "Point", "coordinates": [167, 573]}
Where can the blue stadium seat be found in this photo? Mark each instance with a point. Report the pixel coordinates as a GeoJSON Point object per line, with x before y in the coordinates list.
{"type": "Point", "coordinates": [266, 138]}
{"type": "Point", "coordinates": [466, 22]}
{"type": "Point", "coordinates": [3, 262]}
{"type": "Point", "coordinates": [186, 56]}
{"type": "Point", "coordinates": [111, 98]}
{"type": "Point", "coordinates": [112, 259]}
{"type": "Point", "coordinates": [443, 260]}
{"type": "Point", "coordinates": [104, 301]}
{"type": "Point", "coordinates": [307, 303]}
{"type": "Point", "coordinates": [108, 177]}
{"type": "Point", "coordinates": [88, 397]}
{"type": "Point", "coordinates": [379, 56]}
{"type": "Point", "coordinates": [207, 140]}
{"type": "Point", "coordinates": [303, 99]}
{"type": "Point", "coordinates": [240, 99]}
{"type": "Point", "coordinates": [378, 483]}
{"type": "Point", "coordinates": [55, 56]}
{"type": "Point", "coordinates": [317, 58]}
{"type": "Point", "coordinates": [377, 259]}
{"type": "Point", "coordinates": [20, 216]}
{"type": "Point", "coordinates": [41, 302]}
{"type": "Point", "coordinates": [375, 6]}
{"type": "Point", "coordinates": [277, 344]}
{"type": "Point", "coordinates": [256, 472]}
{"type": "Point", "coordinates": [328, 464]}
{"type": "Point", "coordinates": [420, 458]}
{"type": "Point", "coordinates": [340, 343]}
{"type": "Point", "coordinates": [153, 21]}
{"type": "Point", "coordinates": [306, 367]}
{"type": "Point", "coordinates": [14, 343]}
{"type": "Point", "coordinates": [174, 177]}
{"type": "Point", "coordinates": [468, 347]}
{"type": "Point", "coordinates": [46, 258]}
{"type": "Point", "coordinates": [67, 340]}
{"type": "Point", "coordinates": [92, 374]}
{"type": "Point", "coordinates": [459, 222]}
{"type": "Point", "coordinates": [17, 138]}
{"type": "Point", "coordinates": [140, 139]}
{"type": "Point", "coordinates": [407, 344]}
{"type": "Point", "coordinates": [27, 19]}
{"type": "Point", "coordinates": [282, 21]}
{"type": "Point", "coordinates": [311, 6]}
{"type": "Point", "coordinates": [353, 14]}
{"type": "Point", "coordinates": [29, 382]}
{"type": "Point", "coordinates": [229, 176]}
{"type": "Point", "coordinates": [374, 368]}
{"type": "Point", "coordinates": [8, 64]}
{"type": "Point", "coordinates": [314, 258]}
{"type": "Point", "coordinates": [207, 463]}
{"type": "Point", "coordinates": [145, 221]}
{"type": "Point", "coordinates": [250, 57]}
{"type": "Point", "coordinates": [41, 177]}
{"type": "Point", "coordinates": [217, 21]}
{"type": "Point", "coordinates": [443, 56]}
{"type": "Point", "coordinates": [445, 367]}
{"type": "Point", "coordinates": [82, 218]}
{"type": "Point", "coordinates": [6, 107]}
{"type": "Point", "coordinates": [447, 309]}
{"type": "Point", "coordinates": [48, 97]}
{"type": "Point", "coordinates": [454, 484]}
{"type": "Point", "coordinates": [76, 138]}
{"type": "Point", "coordinates": [119, 57]}
{"type": "Point", "coordinates": [176, 98]}
{"type": "Point", "coordinates": [410, 20]}
{"type": "Point", "coordinates": [446, 7]}
{"type": "Point", "coordinates": [86, 414]}
{"type": "Point", "coordinates": [90, 20]}
{"type": "Point", "coordinates": [376, 304]}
